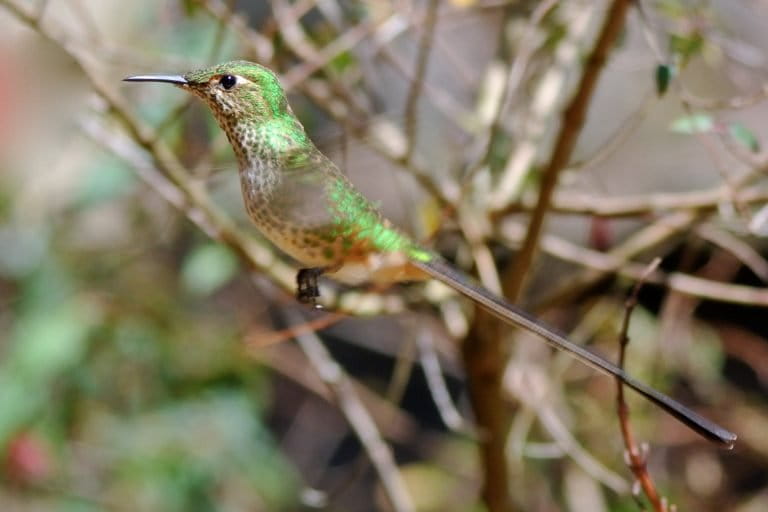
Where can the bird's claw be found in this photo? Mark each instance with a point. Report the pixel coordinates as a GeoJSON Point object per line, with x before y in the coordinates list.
{"type": "Point", "coordinates": [307, 290]}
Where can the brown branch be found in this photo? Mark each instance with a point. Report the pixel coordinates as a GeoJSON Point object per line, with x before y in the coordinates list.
{"type": "Point", "coordinates": [259, 337]}
{"type": "Point", "coordinates": [515, 276]}
{"type": "Point", "coordinates": [637, 458]}
{"type": "Point", "coordinates": [653, 204]}
{"type": "Point", "coordinates": [618, 261]}
{"type": "Point", "coordinates": [640, 242]}
{"type": "Point", "coordinates": [577, 203]}
{"type": "Point", "coordinates": [484, 351]}
{"type": "Point", "coordinates": [484, 355]}
{"type": "Point", "coordinates": [422, 58]}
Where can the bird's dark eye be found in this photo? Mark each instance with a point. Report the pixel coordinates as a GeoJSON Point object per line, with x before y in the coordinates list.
{"type": "Point", "coordinates": [228, 81]}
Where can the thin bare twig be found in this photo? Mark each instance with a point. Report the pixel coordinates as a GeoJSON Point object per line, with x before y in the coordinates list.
{"type": "Point", "coordinates": [394, 154]}
{"type": "Point", "coordinates": [401, 375]}
{"type": "Point", "coordinates": [637, 458]}
{"type": "Point", "coordinates": [733, 103]}
{"type": "Point", "coordinates": [643, 240]}
{"type": "Point", "coordinates": [358, 417]}
{"type": "Point", "coordinates": [618, 137]}
{"type": "Point", "coordinates": [320, 58]}
{"type": "Point", "coordinates": [287, 359]}
{"type": "Point", "coordinates": [523, 54]}
{"type": "Point", "coordinates": [178, 110]}
{"type": "Point", "coordinates": [259, 338]}
{"type": "Point", "coordinates": [619, 262]}
{"type": "Point", "coordinates": [523, 383]}
{"type": "Point", "coordinates": [430, 365]}
{"type": "Point", "coordinates": [261, 46]}
{"type": "Point", "coordinates": [422, 58]}
{"type": "Point", "coordinates": [704, 138]}
{"type": "Point", "coordinates": [293, 34]}
{"type": "Point", "coordinates": [744, 252]}
{"type": "Point", "coordinates": [319, 91]}
{"type": "Point", "coordinates": [652, 204]}
{"type": "Point", "coordinates": [444, 102]}
{"type": "Point", "coordinates": [576, 203]}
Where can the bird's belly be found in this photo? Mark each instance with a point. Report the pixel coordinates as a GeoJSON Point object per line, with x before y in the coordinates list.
{"type": "Point", "coordinates": [302, 243]}
{"type": "Point", "coordinates": [350, 266]}
{"type": "Point", "coordinates": [348, 260]}
{"type": "Point", "coordinates": [306, 248]}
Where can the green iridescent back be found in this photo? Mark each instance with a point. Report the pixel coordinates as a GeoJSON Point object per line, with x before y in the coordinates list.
{"type": "Point", "coordinates": [315, 214]}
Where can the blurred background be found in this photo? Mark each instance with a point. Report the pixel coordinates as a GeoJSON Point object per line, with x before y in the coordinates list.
{"type": "Point", "coordinates": [152, 357]}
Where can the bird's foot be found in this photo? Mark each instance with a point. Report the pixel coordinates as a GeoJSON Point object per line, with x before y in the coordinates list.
{"type": "Point", "coordinates": [307, 290]}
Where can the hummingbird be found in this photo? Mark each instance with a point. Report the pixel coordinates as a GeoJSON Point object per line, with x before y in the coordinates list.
{"type": "Point", "coordinates": [303, 204]}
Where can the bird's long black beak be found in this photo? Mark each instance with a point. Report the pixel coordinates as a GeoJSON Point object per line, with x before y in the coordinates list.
{"type": "Point", "coordinates": [169, 79]}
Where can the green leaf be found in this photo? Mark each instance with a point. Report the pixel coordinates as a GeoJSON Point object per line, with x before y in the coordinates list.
{"type": "Point", "coordinates": [190, 7]}
{"type": "Point", "coordinates": [46, 342]}
{"type": "Point", "coordinates": [695, 123]}
{"type": "Point", "coordinates": [44, 345]}
{"type": "Point", "coordinates": [342, 62]}
{"type": "Point", "coordinates": [664, 74]}
{"type": "Point", "coordinates": [673, 9]}
{"type": "Point", "coordinates": [744, 136]}
{"type": "Point", "coordinates": [686, 46]}
{"type": "Point", "coordinates": [223, 439]}
{"type": "Point", "coordinates": [207, 268]}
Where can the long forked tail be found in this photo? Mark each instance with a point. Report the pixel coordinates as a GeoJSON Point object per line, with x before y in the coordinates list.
{"type": "Point", "coordinates": [511, 314]}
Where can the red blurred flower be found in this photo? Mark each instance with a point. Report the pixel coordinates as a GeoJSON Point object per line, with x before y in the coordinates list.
{"type": "Point", "coordinates": [27, 459]}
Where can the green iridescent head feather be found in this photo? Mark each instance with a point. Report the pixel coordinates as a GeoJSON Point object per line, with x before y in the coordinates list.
{"type": "Point", "coordinates": [250, 70]}
{"type": "Point", "coordinates": [256, 90]}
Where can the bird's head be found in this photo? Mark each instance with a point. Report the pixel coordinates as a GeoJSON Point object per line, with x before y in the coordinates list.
{"type": "Point", "coordinates": [235, 91]}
